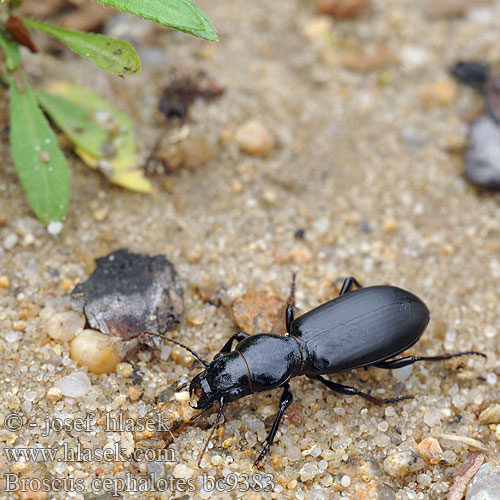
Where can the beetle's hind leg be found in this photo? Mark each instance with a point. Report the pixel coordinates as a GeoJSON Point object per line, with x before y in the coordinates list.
{"type": "Point", "coordinates": [348, 283]}
{"type": "Point", "coordinates": [290, 304]}
{"type": "Point", "coordinates": [352, 391]}
{"type": "Point", "coordinates": [409, 360]}
{"type": "Point", "coordinates": [285, 402]}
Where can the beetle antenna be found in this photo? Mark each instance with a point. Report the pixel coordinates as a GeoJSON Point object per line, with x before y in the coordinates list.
{"type": "Point", "coordinates": [197, 356]}
{"type": "Point", "coordinates": [217, 420]}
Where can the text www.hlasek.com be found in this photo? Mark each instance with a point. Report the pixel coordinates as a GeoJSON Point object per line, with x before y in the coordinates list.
{"type": "Point", "coordinates": [79, 453]}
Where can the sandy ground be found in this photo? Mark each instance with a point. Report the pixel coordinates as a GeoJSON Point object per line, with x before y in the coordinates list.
{"type": "Point", "coordinates": [364, 162]}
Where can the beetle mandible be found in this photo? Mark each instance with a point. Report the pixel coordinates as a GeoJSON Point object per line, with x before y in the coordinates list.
{"type": "Point", "coordinates": [362, 327]}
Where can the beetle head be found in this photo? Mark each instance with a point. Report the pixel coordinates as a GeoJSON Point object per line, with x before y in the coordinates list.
{"type": "Point", "coordinates": [226, 377]}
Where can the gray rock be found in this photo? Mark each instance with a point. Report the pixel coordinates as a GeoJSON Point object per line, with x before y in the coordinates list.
{"type": "Point", "coordinates": [485, 485]}
{"type": "Point", "coordinates": [129, 294]}
{"type": "Point", "coordinates": [482, 157]}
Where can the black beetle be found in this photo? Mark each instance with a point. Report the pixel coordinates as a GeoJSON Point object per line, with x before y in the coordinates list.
{"type": "Point", "coordinates": [362, 327]}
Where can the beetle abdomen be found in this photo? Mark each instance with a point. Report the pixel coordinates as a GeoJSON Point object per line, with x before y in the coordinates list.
{"type": "Point", "coordinates": [360, 328]}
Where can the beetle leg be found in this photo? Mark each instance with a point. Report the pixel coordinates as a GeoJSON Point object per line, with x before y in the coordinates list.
{"type": "Point", "coordinates": [285, 401]}
{"type": "Point", "coordinates": [239, 336]}
{"type": "Point", "coordinates": [217, 420]}
{"type": "Point", "coordinates": [352, 391]}
{"type": "Point", "coordinates": [290, 304]}
{"type": "Point", "coordinates": [348, 282]}
{"type": "Point", "coordinates": [409, 360]}
{"type": "Point", "coordinates": [289, 317]}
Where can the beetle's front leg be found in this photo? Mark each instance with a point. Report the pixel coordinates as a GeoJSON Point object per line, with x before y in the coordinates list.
{"type": "Point", "coordinates": [352, 391]}
{"type": "Point", "coordinates": [285, 401]}
{"type": "Point", "coordinates": [348, 283]}
{"type": "Point", "coordinates": [239, 336]}
{"type": "Point", "coordinates": [409, 360]}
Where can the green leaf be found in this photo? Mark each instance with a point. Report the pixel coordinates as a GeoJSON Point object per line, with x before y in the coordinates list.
{"type": "Point", "coordinates": [39, 161]}
{"type": "Point", "coordinates": [11, 50]}
{"type": "Point", "coordinates": [103, 136]}
{"type": "Point", "coordinates": [181, 15]}
{"type": "Point", "coordinates": [75, 122]}
{"type": "Point", "coordinates": [115, 56]}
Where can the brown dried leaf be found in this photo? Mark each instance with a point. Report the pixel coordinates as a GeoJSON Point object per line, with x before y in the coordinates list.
{"type": "Point", "coordinates": [20, 34]}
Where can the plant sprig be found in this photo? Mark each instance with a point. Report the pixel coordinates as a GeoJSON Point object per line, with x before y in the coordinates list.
{"type": "Point", "coordinates": [37, 157]}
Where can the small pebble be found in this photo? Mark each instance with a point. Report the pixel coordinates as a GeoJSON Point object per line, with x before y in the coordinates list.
{"type": "Point", "coordinates": [20, 466]}
{"type": "Point", "coordinates": [182, 396]}
{"type": "Point", "coordinates": [54, 228]}
{"type": "Point", "coordinates": [433, 417]}
{"type": "Point", "coordinates": [318, 29]}
{"type": "Point", "coordinates": [294, 453]}
{"type": "Point", "coordinates": [96, 351]}
{"type": "Point", "coordinates": [100, 215]}
{"type": "Point", "coordinates": [340, 9]}
{"type": "Point", "coordinates": [12, 336]}
{"type": "Point", "coordinates": [10, 241]}
{"type": "Point", "coordinates": [414, 57]}
{"type": "Point", "coordinates": [124, 369]}
{"type": "Point", "coordinates": [192, 153]}
{"type": "Point", "coordinates": [401, 463]}
{"type": "Point", "coordinates": [228, 442]}
{"type": "Point", "coordinates": [309, 471]}
{"type": "Point", "coordinates": [64, 325]}
{"type": "Point", "coordinates": [490, 332]}
{"type": "Point", "coordinates": [482, 156]}
{"type": "Point", "coordinates": [4, 282]}
{"type": "Point", "coordinates": [134, 393]}
{"type": "Point", "coordinates": [345, 481]}
{"type": "Point", "coordinates": [424, 480]}
{"type": "Point", "coordinates": [13, 402]}
{"type": "Point", "coordinates": [269, 197]}
{"type": "Point", "coordinates": [182, 471]}
{"type": "Point", "coordinates": [441, 93]}
{"type": "Point", "coordinates": [181, 357]}
{"type": "Point", "coordinates": [490, 416]}
{"type": "Point", "coordinates": [66, 285]}
{"type": "Point", "coordinates": [402, 374]}
{"type": "Point", "coordinates": [75, 385]}
{"type": "Point", "coordinates": [253, 138]}
{"type": "Point", "coordinates": [300, 255]}
{"type": "Point", "coordinates": [430, 449]}
{"type": "Point", "coordinates": [54, 394]}
{"type": "Point", "coordinates": [389, 226]}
